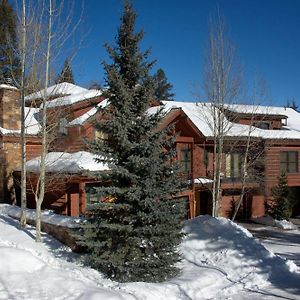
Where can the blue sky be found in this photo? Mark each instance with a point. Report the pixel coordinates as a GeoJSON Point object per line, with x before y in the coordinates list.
{"type": "Point", "coordinates": [266, 34]}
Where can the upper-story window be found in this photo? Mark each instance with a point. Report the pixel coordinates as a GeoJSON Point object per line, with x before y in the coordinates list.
{"type": "Point", "coordinates": [289, 161]}
{"type": "Point", "coordinates": [284, 122]}
{"type": "Point", "coordinates": [62, 126]}
{"type": "Point", "coordinates": [186, 159]}
{"type": "Point", "coordinates": [262, 125]}
{"type": "Point", "coordinates": [233, 165]}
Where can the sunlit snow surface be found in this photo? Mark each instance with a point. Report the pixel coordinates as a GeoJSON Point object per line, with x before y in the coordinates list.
{"type": "Point", "coordinates": [220, 261]}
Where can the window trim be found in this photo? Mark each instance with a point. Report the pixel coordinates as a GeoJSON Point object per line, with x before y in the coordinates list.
{"type": "Point", "coordinates": [259, 124]}
{"type": "Point", "coordinates": [287, 161]}
{"type": "Point", "coordinates": [186, 159]}
{"type": "Point", "coordinates": [232, 160]}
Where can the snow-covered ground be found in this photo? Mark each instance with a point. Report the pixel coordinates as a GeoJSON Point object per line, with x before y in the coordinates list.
{"type": "Point", "coordinates": [285, 243]}
{"type": "Point", "coordinates": [221, 260]}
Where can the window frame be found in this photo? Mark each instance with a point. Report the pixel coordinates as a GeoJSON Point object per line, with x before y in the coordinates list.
{"type": "Point", "coordinates": [288, 161]}
{"type": "Point", "coordinates": [260, 124]}
{"type": "Point", "coordinates": [186, 159]}
{"type": "Point", "coordinates": [233, 165]}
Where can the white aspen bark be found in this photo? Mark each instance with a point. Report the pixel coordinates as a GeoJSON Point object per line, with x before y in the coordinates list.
{"type": "Point", "coordinates": [42, 177]}
{"type": "Point", "coordinates": [244, 171]}
{"type": "Point", "coordinates": [23, 138]}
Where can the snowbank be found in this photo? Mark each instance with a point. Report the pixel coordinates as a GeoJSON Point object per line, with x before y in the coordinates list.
{"type": "Point", "coordinates": [286, 225]}
{"type": "Point", "coordinates": [48, 216]}
{"type": "Point", "coordinates": [220, 261]}
{"type": "Point", "coordinates": [265, 220]}
{"type": "Point", "coordinates": [269, 221]}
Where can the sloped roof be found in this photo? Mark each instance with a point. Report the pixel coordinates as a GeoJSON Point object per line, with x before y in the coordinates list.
{"type": "Point", "coordinates": [8, 87]}
{"type": "Point", "coordinates": [257, 109]}
{"type": "Point", "coordinates": [61, 89]}
{"type": "Point", "coordinates": [74, 98]}
{"type": "Point", "coordinates": [201, 114]}
{"type": "Point", "coordinates": [63, 162]}
{"type": "Point", "coordinates": [80, 120]}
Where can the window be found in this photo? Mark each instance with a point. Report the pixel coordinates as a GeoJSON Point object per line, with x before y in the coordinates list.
{"type": "Point", "coordinates": [62, 126]}
{"type": "Point", "coordinates": [289, 161]}
{"type": "Point", "coordinates": [186, 160]}
{"type": "Point", "coordinates": [100, 135]}
{"type": "Point", "coordinates": [284, 122]}
{"type": "Point", "coordinates": [262, 125]}
{"type": "Point", "coordinates": [206, 158]}
{"type": "Point", "coordinates": [233, 165]}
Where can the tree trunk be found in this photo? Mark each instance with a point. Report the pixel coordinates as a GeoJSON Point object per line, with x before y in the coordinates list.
{"type": "Point", "coordinates": [42, 177]}
{"type": "Point", "coordinates": [38, 213]}
{"type": "Point", "coordinates": [23, 139]}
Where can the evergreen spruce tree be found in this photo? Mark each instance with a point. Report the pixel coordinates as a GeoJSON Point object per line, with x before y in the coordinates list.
{"type": "Point", "coordinates": [162, 89]}
{"type": "Point", "coordinates": [66, 74]}
{"type": "Point", "coordinates": [134, 234]}
{"type": "Point", "coordinates": [283, 200]}
{"type": "Point", "coordinates": [9, 61]}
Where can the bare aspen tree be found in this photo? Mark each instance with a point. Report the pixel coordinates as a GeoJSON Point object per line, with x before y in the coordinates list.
{"type": "Point", "coordinates": [252, 147]}
{"type": "Point", "coordinates": [41, 43]}
{"type": "Point", "coordinates": [41, 182]}
{"type": "Point", "coordinates": [222, 84]}
{"type": "Point", "coordinates": [22, 138]}
{"type": "Point", "coordinates": [45, 52]}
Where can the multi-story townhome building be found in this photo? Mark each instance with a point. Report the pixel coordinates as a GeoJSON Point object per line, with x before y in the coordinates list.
{"type": "Point", "coordinates": [268, 136]}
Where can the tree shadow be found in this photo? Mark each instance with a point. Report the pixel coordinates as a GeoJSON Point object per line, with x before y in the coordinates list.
{"type": "Point", "coordinates": [55, 247]}
{"type": "Point", "coordinates": [274, 267]}
{"type": "Point", "coordinates": [16, 224]}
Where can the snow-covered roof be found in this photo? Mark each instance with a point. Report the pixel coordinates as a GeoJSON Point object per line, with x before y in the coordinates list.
{"type": "Point", "coordinates": [74, 98]}
{"type": "Point", "coordinates": [32, 125]}
{"type": "Point", "coordinates": [63, 162]}
{"type": "Point", "coordinates": [198, 113]}
{"type": "Point", "coordinates": [80, 120]}
{"type": "Point", "coordinates": [202, 180]}
{"type": "Point", "coordinates": [8, 87]}
{"type": "Point", "coordinates": [61, 89]}
{"type": "Point", "coordinates": [257, 109]}
{"type": "Point", "coordinates": [201, 114]}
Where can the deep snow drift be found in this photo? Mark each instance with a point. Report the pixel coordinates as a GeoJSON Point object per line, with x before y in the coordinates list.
{"type": "Point", "coordinates": [220, 261]}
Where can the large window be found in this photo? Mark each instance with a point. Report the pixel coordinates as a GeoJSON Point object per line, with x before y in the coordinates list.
{"type": "Point", "coordinates": [233, 165]}
{"type": "Point", "coordinates": [289, 161]}
{"type": "Point", "coordinates": [262, 125]}
{"type": "Point", "coordinates": [63, 126]}
{"type": "Point", "coordinates": [186, 159]}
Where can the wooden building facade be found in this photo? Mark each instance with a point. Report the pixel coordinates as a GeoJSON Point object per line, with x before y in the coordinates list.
{"type": "Point", "coordinates": [275, 135]}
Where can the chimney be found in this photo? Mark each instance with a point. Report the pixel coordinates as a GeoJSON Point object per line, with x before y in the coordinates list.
{"type": "Point", "coordinates": [9, 107]}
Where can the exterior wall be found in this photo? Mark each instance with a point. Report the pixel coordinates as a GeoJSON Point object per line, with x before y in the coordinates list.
{"type": "Point", "coordinates": [225, 209]}
{"type": "Point", "coordinates": [200, 168]}
{"type": "Point", "coordinates": [251, 207]}
{"type": "Point", "coordinates": [9, 150]}
{"type": "Point", "coordinates": [9, 108]}
{"type": "Point", "coordinates": [10, 159]}
{"type": "Point", "coordinates": [272, 167]}
{"type": "Point", "coordinates": [33, 148]}
{"type": "Point", "coordinates": [258, 206]}
{"type": "Point", "coordinates": [274, 124]}
{"type": "Point", "coordinates": [64, 195]}
{"type": "Point", "coordinates": [75, 140]}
